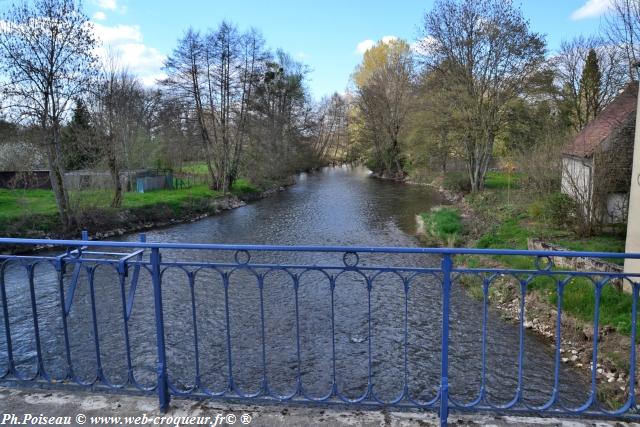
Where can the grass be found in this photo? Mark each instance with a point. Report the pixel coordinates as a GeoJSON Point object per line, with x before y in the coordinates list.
{"type": "Point", "coordinates": [501, 180]}
{"type": "Point", "coordinates": [17, 203]}
{"type": "Point", "coordinates": [196, 168]}
{"type": "Point", "coordinates": [444, 224]}
{"type": "Point", "coordinates": [243, 186]}
{"type": "Point", "coordinates": [509, 227]}
{"type": "Point", "coordinates": [36, 209]}
{"type": "Point", "coordinates": [604, 243]}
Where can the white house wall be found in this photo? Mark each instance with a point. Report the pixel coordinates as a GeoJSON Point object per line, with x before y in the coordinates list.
{"type": "Point", "coordinates": [576, 178]}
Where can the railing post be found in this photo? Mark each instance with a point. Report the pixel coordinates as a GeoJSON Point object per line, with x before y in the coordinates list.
{"type": "Point", "coordinates": [163, 383]}
{"type": "Point", "coordinates": [444, 358]}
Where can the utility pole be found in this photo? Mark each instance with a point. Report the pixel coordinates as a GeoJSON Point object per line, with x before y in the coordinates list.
{"type": "Point", "coordinates": [633, 219]}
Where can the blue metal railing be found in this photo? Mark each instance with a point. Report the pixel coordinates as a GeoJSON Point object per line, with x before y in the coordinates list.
{"type": "Point", "coordinates": [129, 269]}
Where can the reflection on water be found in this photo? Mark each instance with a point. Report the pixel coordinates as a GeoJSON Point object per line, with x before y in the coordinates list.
{"type": "Point", "coordinates": [338, 206]}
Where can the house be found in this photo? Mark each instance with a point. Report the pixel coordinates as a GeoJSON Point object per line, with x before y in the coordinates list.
{"type": "Point", "coordinates": [596, 163]}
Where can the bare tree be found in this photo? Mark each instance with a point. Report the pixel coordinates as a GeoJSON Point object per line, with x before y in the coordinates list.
{"type": "Point", "coordinates": [330, 142]}
{"type": "Point", "coordinates": [486, 49]}
{"type": "Point", "coordinates": [623, 31]}
{"type": "Point", "coordinates": [116, 116]}
{"type": "Point", "coordinates": [216, 75]}
{"type": "Point", "coordinates": [46, 53]}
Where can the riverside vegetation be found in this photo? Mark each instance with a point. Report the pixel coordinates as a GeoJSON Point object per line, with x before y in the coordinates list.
{"type": "Point", "coordinates": [506, 215]}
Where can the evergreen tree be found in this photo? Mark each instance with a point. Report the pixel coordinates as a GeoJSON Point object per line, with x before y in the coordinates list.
{"type": "Point", "coordinates": [78, 139]}
{"type": "Point", "coordinates": [590, 88]}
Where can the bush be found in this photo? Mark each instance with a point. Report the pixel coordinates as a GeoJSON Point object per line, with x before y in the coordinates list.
{"type": "Point", "coordinates": [457, 182]}
{"type": "Point", "coordinates": [559, 209]}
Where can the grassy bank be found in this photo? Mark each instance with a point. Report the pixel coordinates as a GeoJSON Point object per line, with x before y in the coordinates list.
{"type": "Point", "coordinates": [505, 216]}
{"type": "Point", "coordinates": [33, 212]}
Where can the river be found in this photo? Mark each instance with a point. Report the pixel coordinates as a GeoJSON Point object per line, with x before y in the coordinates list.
{"type": "Point", "coordinates": [337, 206]}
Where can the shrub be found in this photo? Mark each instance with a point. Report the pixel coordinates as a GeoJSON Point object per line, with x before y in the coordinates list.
{"type": "Point", "coordinates": [559, 209]}
{"type": "Point", "coordinates": [457, 182]}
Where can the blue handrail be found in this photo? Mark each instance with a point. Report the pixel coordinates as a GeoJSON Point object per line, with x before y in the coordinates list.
{"type": "Point", "coordinates": [140, 265]}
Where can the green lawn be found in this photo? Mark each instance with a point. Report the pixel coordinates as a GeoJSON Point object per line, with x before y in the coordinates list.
{"type": "Point", "coordinates": [20, 205]}
{"type": "Point", "coordinates": [17, 203]}
{"type": "Point", "coordinates": [499, 180]}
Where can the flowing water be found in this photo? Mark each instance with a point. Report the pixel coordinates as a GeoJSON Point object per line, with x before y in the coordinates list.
{"type": "Point", "coordinates": [337, 206]}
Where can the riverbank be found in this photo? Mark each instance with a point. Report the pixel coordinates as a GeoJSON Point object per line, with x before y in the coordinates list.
{"type": "Point", "coordinates": [139, 212]}
{"type": "Point", "coordinates": [506, 216]}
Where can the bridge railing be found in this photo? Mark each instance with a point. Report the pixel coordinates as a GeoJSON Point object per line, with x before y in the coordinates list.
{"type": "Point", "coordinates": [417, 328]}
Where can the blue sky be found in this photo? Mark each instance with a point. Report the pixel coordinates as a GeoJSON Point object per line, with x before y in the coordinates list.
{"type": "Point", "coordinates": [324, 34]}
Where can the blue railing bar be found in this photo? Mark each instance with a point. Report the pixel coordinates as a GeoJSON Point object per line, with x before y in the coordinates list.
{"type": "Point", "coordinates": [444, 357]}
{"type": "Point", "coordinates": [63, 315]}
{"type": "Point", "coordinates": [72, 288]}
{"type": "Point", "coordinates": [36, 326]}
{"type": "Point", "coordinates": [161, 369]}
{"type": "Point", "coordinates": [83, 252]}
{"type": "Point", "coordinates": [316, 267]}
{"type": "Point", "coordinates": [94, 318]}
{"type": "Point", "coordinates": [126, 314]}
{"type": "Point", "coordinates": [632, 358]}
{"type": "Point", "coordinates": [282, 248]}
{"type": "Point", "coordinates": [134, 278]}
{"type": "Point", "coordinates": [128, 256]}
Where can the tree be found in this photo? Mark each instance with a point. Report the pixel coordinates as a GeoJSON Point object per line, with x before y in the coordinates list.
{"type": "Point", "coordinates": [78, 139]}
{"type": "Point", "coordinates": [216, 74]}
{"type": "Point", "coordinates": [281, 118]}
{"type": "Point", "coordinates": [486, 49]}
{"type": "Point", "coordinates": [590, 86]}
{"type": "Point", "coordinates": [46, 54]}
{"type": "Point", "coordinates": [384, 82]}
{"type": "Point", "coordinates": [433, 123]}
{"type": "Point", "coordinates": [331, 128]}
{"type": "Point", "coordinates": [623, 31]}
{"type": "Point", "coordinates": [589, 75]}
{"type": "Point", "coordinates": [117, 115]}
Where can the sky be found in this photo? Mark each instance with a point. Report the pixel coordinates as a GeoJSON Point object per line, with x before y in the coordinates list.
{"type": "Point", "coordinates": [329, 36]}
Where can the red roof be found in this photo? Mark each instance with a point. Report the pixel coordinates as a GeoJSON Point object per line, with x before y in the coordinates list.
{"type": "Point", "coordinates": [616, 114]}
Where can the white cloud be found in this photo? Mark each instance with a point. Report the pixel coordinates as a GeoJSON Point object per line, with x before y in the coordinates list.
{"type": "Point", "coordinates": [107, 4]}
{"type": "Point", "coordinates": [364, 46]}
{"type": "Point", "coordinates": [117, 34]}
{"type": "Point", "coordinates": [591, 9]}
{"type": "Point", "coordinates": [110, 5]}
{"type": "Point", "coordinates": [99, 16]}
{"type": "Point", "coordinates": [126, 42]}
{"type": "Point", "coordinates": [367, 44]}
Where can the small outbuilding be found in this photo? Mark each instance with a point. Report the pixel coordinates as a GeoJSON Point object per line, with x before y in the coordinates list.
{"type": "Point", "coordinates": [596, 163]}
